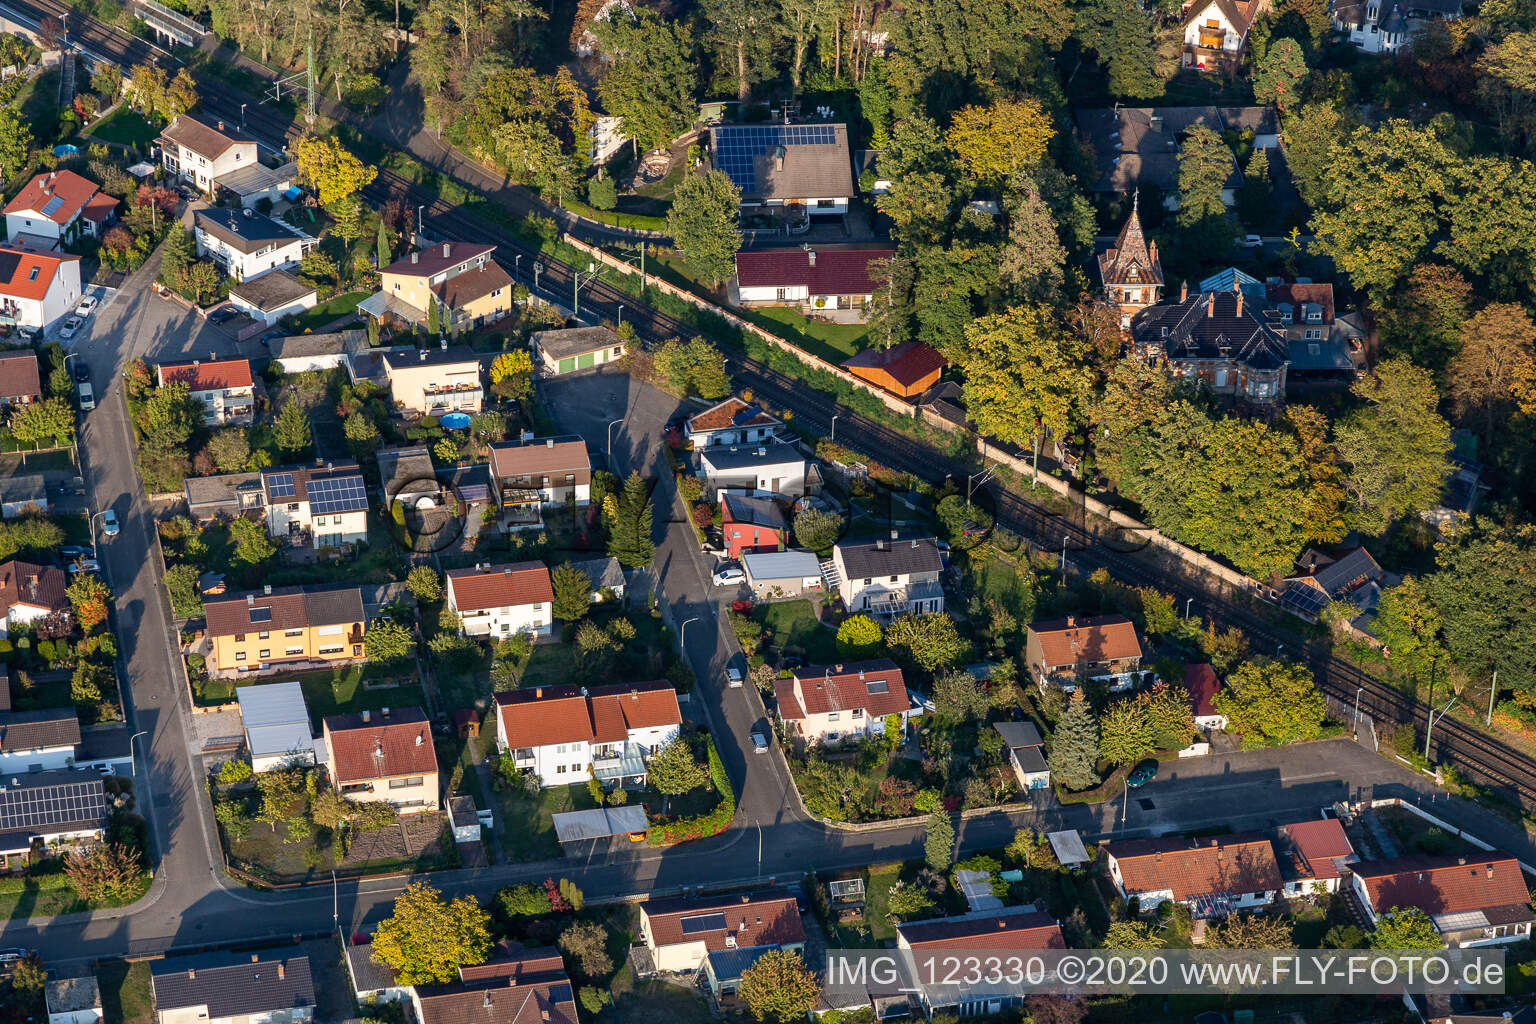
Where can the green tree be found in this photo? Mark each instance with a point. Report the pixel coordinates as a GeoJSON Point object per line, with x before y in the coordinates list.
{"type": "Point", "coordinates": [1395, 446]}
{"type": "Point", "coordinates": [1032, 260]}
{"type": "Point", "coordinates": [512, 374]}
{"type": "Point", "coordinates": [361, 434]}
{"type": "Point", "coordinates": [106, 871]}
{"type": "Point", "coordinates": [1273, 702]}
{"type": "Point", "coordinates": [29, 533]}
{"type": "Point", "coordinates": [573, 593]}
{"type": "Point", "coordinates": [959, 696]}
{"type": "Point", "coordinates": [1424, 321]}
{"type": "Point", "coordinates": [1075, 745]}
{"type": "Point", "coordinates": [181, 585]}
{"type": "Point", "coordinates": [252, 545]}
{"type": "Point", "coordinates": [602, 193]}
{"type": "Point", "coordinates": [1408, 625]}
{"type": "Point", "coordinates": [291, 429]}
{"type": "Point", "coordinates": [629, 525]}
{"type": "Point", "coordinates": [1252, 931]}
{"type": "Point", "coordinates": [1484, 588]}
{"type": "Point", "coordinates": [1132, 935]}
{"type": "Point", "coordinates": [703, 224]}
{"type": "Point", "coordinates": [997, 141]}
{"type": "Point", "coordinates": [651, 79]}
{"type": "Point", "coordinates": [1125, 735]}
{"type": "Point", "coordinates": [908, 903]}
{"type": "Point", "coordinates": [674, 770]}
{"type": "Point", "coordinates": [51, 421]}
{"type": "Point", "coordinates": [231, 449]}
{"type": "Point", "coordinates": [387, 641]}
{"type": "Point", "coordinates": [1023, 371]}
{"type": "Point", "coordinates": [1278, 75]}
{"type": "Point", "coordinates": [1406, 928]}
{"type": "Point", "coordinates": [434, 316]}
{"type": "Point", "coordinates": [816, 530]}
{"type": "Point", "coordinates": [587, 943]}
{"type": "Point", "coordinates": [1205, 165]}
{"type": "Point", "coordinates": [779, 987]}
{"type": "Point", "coordinates": [427, 939]}
{"type": "Point", "coordinates": [858, 636]}
{"type": "Point", "coordinates": [931, 641]}
{"type": "Point", "coordinates": [939, 841]}
{"type": "Point", "coordinates": [694, 367]}
{"type": "Point", "coordinates": [524, 900]}
{"type": "Point", "coordinates": [424, 583]}
{"type": "Point", "coordinates": [15, 141]}
{"type": "Point", "coordinates": [381, 245]}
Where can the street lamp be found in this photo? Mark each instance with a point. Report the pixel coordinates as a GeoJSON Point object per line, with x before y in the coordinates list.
{"type": "Point", "coordinates": [682, 635]}
{"type": "Point", "coordinates": [134, 764]}
{"type": "Point", "coordinates": [419, 208]}
{"type": "Point", "coordinates": [610, 440]}
{"type": "Point", "coordinates": [242, 117]}
{"type": "Point", "coordinates": [1429, 726]}
{"type": "Point", "coordinates": [759, 848]}
{"type": "Point", "coordinates": [98, 515]}
{"type": "Point", "coordinates": [834, 425]}
{"type": "Point", "coordinates": [621, 317]}
{"type": "Point", "coordinates": [1187, 603]}
{"type": "Point", "coordinates": [1357, 710]}
{"type": "Point", "coordinates": [517, 265]}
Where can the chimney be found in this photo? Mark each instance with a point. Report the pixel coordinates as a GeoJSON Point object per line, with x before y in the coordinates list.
{"type": "Point", "coordinates": [550, 443]}
{"type": "Point", "coordinates": [422, 355]}
{"type": "Point", "coordinates": [1183, 290]}
{"type": "Point", "coordinates": [446, 247]}
{"type": "Point", "coordinates": [250, 599]}
{"type": "Point", "coordinates": [378, 749]}
{"type": "Point", "coordinates": [1490, 872]}
{"type": "Point", "coordinates": [778, 158]}
{"type": "Point", "coordinates": [418, 739]}
{"type": "Point", "coordinates": [1461, 860]}
{"type": "Point", "coordinates": [810, 255]}
{"type": "Point", "coordinates": [1002, 923]}
{"type": "Point", "coordinates": [1152, 252]}
{"type": "Point", "coordinates": [914, 544]}
{"type": "Point", "coordinates": [267, 589]}
{"type": "Point", "coordinates": [1210, 304]}
{"type": "Point", "coordinates": [893, 535]}
{"type": "Point", "coordinates": [384, 712]}
{"type": "Point", "coordinates": [280, 972]}
{"type": "Point", "coordinates": [745, 898]}
{"type": "Point", "coordinates": [255, 957]}
{"type": "Point", "coordinates": [191, 973]}
{"type": "Point", "coordinates": [415, 256]}
{"type": "Point", "coordinates": [1071, 621]}
{"type": "Point", "coordinates": [538, 692]}
{"type": "Point", "coordinates": [1239, 303]}
{"type": "Point", "coordinates": [366, 715]}
{"type": "Point", "coordinates": [221, 128]}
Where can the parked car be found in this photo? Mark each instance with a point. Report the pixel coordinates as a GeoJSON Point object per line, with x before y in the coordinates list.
{"type": "Point", "coordinates": [109, 523]}
{"type": "Point", "coordinates": [791, 661]}
{"type": "Point", "coordinates": [71, 325]}
{"type": "Point", "coordinates": [73, 551]}
{"type": "Point", "coordinates": [15, 953]}
{"type": "Point", "coordinates": [223, 314]}
{"type": "Point", "coordinates": [267, 339]}
{"type": "Point", "coordinates": [84, 565]}
{"type": "Point", "coordinates": [729, 576]}
{"type": "Point", "coordinates": [759, 743]}
{"type": "Point", "coordinates": [1253, 242]}
{"type": "Point", "coordinates": [87, 396]}
{"type": "Point", "coordinates": [82, 372]}
{"type": "Point", "coordinates": [87, 306]}
{"type": "Point", "coordinates": [733, 677]}
{"type": "Point", "coordinates": [1142, 774]}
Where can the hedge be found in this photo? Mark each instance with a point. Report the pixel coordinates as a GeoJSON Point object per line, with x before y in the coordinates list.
{"type": "Point", "coordinates": [22, 883]}
{"type": "Point", "coordinates": [705, 825]}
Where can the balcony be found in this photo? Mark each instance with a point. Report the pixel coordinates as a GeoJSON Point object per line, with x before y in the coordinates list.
{"type": "Point", "coordinates": [619, 764]}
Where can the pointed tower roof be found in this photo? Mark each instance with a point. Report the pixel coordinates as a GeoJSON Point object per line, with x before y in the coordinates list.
{"type": "Point", "coordinates": [1131, 260]}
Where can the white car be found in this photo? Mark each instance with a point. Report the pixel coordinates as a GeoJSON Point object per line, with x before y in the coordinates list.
{"type": "Point", "coordinates": [85, 565]}
{"type": "Point", "coordinates": [733, 677]}
{"type": "Point", "coordinates": [87, 306]}
{"type": "Point", "coordinates": [71, 325]}
{"type": "Point", "coordinates": [109, 523]}
{"type": "Point", "coordinates": [729, 576]}
{"type": "Point", "coordinates": [759, 743]}
{"type": "Point", "coordinates": [1253, 242]}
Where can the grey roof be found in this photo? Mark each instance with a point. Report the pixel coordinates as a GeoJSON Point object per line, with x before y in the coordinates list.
{"type": "Point", "coordinates": [245, 230]}
{"type": "Point", "coordinates": [780, 565]}
{"type": "Point", "coordinates": [272, 290]}
{"type": "Point", "coordinates": [1019, 734]}
{"type": "Point", "coordinates": [298, 346]}
{"type": "Point", "coordinates": [1189, 330]}
{"type": "Point", "coordinates": [233, 984]}
{"type": "Point", "coordinates": [48, 727]}
{"type": "Point", "coordinates": [114, 744]}
{"type": "Point", "coordinates": [890, 557]}
{"type": "Point", "coordinates": [258, 178]}
{"type": "Point", "coordinates": [756, 511]}
{"type": "Point", "coordinates": [1338, 578]}
{"type": "Point", "coordinates": [1140, 145]}
{"type": "Point", "coordinates": [575, 341]}
{"type": "Point", "coordinates": [773, 453]}
{"type": "Point", "coordinates": [5, 688]}
{"type": "Point", "coordinates": [46, 803]}
{"type": "Point", "coordinates": [472, 483]}
{"type": "Point", "coordinates": [219, 490]}
{"type": "Point", "coordinates": [784, 161]}
{"type": "Point", "coordinates": [24, 487]}
{"type": "Point", "coordinates": [1319, 355]}
{"type": "Point", "coordinates": [406, 471]}
{"type": "Point", "coordinates": [1030, 759]}
{"type": "Point", "coordinates": [1259, 120]}
{"type": "Point", "coordinates": [66, 995]}
{"type": "Point", "coordinates": [729, 964]}
{"type": "Point", "coordinates": [1069, 847]}
{"type": "Point", "coordinates": [270, 704]}
{"type": "Point", "coordinates": [600, 822]}
{"type": "Point", "coordinates": [405, 358]}
{"type": "Point", "coordinates": [368, 975]}
{"type": "Point", "coordinates": [603, 572]}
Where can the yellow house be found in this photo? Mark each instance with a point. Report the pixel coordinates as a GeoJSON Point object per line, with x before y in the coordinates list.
{"type": "Point", "coordinates": [463, 279]}
{"type": "Point", "coordinates": [285, 627]}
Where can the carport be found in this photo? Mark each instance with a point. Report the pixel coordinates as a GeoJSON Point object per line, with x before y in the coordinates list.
{"type": "Point", "coordinates": [608, 825]}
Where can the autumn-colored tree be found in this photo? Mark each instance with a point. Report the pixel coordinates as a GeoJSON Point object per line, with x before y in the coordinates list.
{"type": "Point", "coordinates": [1024, 371]}
{"type": "Point", "coordinates": [88, 597]}
{"type": "Point", "coordinates": [427, 939]}
{"type": "Point", "coordinates": [996, 141]}
{"type": "Point", "coordinates": [779, 987]}
{"type": "Point", "coordinates": [333, 172]}
{"type": "Point", "coordinates": [1495, 366]}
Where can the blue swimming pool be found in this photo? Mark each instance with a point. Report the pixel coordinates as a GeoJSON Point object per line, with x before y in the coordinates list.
{"type": "Point", "coordinates": [65, 149]}
{"type": "Point", "coordinates": [455, 420]}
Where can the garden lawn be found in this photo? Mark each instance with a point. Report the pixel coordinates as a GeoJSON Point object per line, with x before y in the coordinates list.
{"type": "Point", "coordinates": [127, 127]}
{"type": "Point", "coordinates": [53, 898]}
{"type": "Point", "coordinates": [793, 624]}
{"type": "Point", "coordinates": [341, 691]}
{"type": "Point", "coordinates": [125, 994]}
{"type": "Point", "coordinates": [654, 1002]}
{"type": "Point", "coordinates": [331, 309]}
{"type": "Point", "coordinates": [528, 825]}
{"type": "Point", "coordinates": [832, 342]}
{"type": "Point", "coordinates": [877, 892]}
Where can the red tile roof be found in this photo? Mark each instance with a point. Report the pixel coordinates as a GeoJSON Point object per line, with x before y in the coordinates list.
{"type": "Point", "coordinates": [1441, 885]}
{"type": "Point", "coordinates": [833, 271]}
{"type": "Point", "coordinates": [542, 455]}
{"type": "Point", "coordinates": [1201, 682]}
{"type": "Point", "coordinates": [514, 987]}
{"type": "Point", "coordinates": [733, 412]}
{"type": "Point", "coordinates": [753, 919]}
{"type": "Point", "coordinates": [17, 263]}
{"type": "Point", "coordinates": [382, 748]}
{"type": "Point", "coordinates": [37, 586]}
{"type": "Point", "coordinates": [548, 714]}
{"type": "Point", "coordinates": [1000, 931]}
{"type": "Point", "coordinates": [818, 689]}
{"type": "Point", "coordinates": [1216, 865]}
{"type": "Point", "coordinates": [73, 191]}
{"type": "Point", "coordinates": [19, 375]}
{"type": "Point", "coordinates": [907, 364]}
{"type": "Point", "coordinates": [501, 586]}
{"type": "Point", "coordinates": [1073, 641]}
{"type": "Point", "coordinates": [1319, 843]}
{"type": "Point", "coordinates": [100, 207]}
{"type": "Point", "coordinates": [214, 375]}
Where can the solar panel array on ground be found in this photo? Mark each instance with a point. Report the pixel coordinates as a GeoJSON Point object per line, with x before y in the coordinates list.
{"type": "Point", "coordinates": [735, 146]}
{"type": "Point", "coordinates": [33, 806]}
{"type": "Point", "coordinates": [332, 494]}
{"type": "Point", "coordinates": [280, 485]}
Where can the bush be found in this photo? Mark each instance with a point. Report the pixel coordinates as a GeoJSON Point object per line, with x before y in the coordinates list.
{"type": "Point", "coordinates": [704, 825]}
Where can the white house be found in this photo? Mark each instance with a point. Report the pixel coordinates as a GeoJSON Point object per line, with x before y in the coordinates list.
{"type": "Point", "coordinates": [568, 734]}
{"type": "Point", "coordinates": [372, 982]}
{"type": "Point", "coordinates": [805, 168]}
{"type": "Point", "coordinates": [1216, 32]}
{"type": "Point", "coordinates": [1318, 852]}
{"type": "Point", "coordinates": [199, 152]}
{"type": "Point", "coordinates": [773, 574]}
{"type": "Point", "coordinates": [383, 757]}
{"type": "Point", "coordinates": [1213, 875]}
{"type": "Point", "coordinates": [834, 281]}
{"type": "Point", "coordinates": [540, 471]}
{"type": "Point", "coordinates": [272, 296]}
{"type": "Point", "coordinates": [889, 577]}
{"type": "Point", "coordinates": [732, 421]}
{"type": "Point", "coordinates": [1203, 686]}
{"type": "Point", "coordinates": [774, 466]}
{"type": "Point", "coordinates": [59, 206]}
{"type": "Point", "coordinates": [1000, 932]}
{"type": "Point", "coordinates": [37, 288]}
{"type": "Point", "coordinates": [1384, 26]}
{"type": "Point", "coordinates": [500, 600]}
{"type": "Point", "coordinates": [223, 386]}
{"type": "Point", "coordinates": [840, 703]}
{"type": "Point", "coordinates": [1472, 900]}
{"type": "Point", "coordinates": [682, 933]}
{"type": "Point", "coordinates": [1026, 754]}
{"type": "Point", "coordinates": [51, 808]}
{"type": "Point", "coordinates": [276, 722]}
{"type": "Point", "coordinates": [266, 987]}
{"type": "Point", "coordinates": [326, 502]}
{"type": "Point", "coordinates": [246, 244]}
{"type": "Point", "coordinates": [33, 741]}
{"type": "Point", "coordinates": [73, 1001]}
{"type": "Point", "coordinates": [1064, 652]}
{"type": "Point", "coordinates": [29, 591]}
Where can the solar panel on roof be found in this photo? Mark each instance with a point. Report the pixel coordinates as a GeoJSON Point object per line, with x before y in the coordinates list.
{"type": "Point", "coordinates": [1303, 598]}
{"type": "Point", "coordinates": [51, 207]}
{"type": "Point", "coordinates": [280, 485]}
{"type": "Point", "coordinates": [49, 805]}
{"type": "Point", "coordinates": [703, 923]}
{"type": "Point", "coordinates": [328, 495]}
{"type": "Point", "coordinates": [736, 146]}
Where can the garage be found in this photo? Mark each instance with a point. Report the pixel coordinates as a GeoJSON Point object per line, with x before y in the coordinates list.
{"type": "Point", "coordinates": [567, 365]}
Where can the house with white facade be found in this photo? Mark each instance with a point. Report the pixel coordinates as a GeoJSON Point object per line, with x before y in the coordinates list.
{"type": "Point", "coordinates": [199, 152]}
{"type": "Point", "coordinates": [1203, 685]}
{"type": "Point", "coordinates": [42, 740]}
{"type": "Point", "coordinates": [1026, 754]}
{"type": "Point", "coordinates": [889, 577]}
{"type": "Point", "coordinates": [773, 466]}
{"type": "Point", "coordinates": [832, 704]}
{"type": "Point", "coordinates": [59, 206]}
{"type": "Point", "coordinates": [29, 592]}
{"type": "Point", "coordinates": [1314, 856]}
{"type": "Point", "coordinates": [803, 170]}
{"type": "Point", "coordinates": [1065, 652]}
{"type": "Point", "coordinates": [1212, 875]}
{"type": "Point", "coordinates": [224, 387]}
{"type": "Point", "coordinates": [37, 288]}
{"type": "Point", "coordinates": [833, 281]}
{"type": "Point", "coordinates": [1216, 32]}
{"type": "Point", "coordinates": [1001, 932]}
{"type": "Point", "coordinates": [265, 987]}
{"type": "Point", "coordinates": [323, 505]}
{"type": "Point", "coordinates": [683, 933]}
{"type": "Point", "coordinates": [245, 244]}
{"type": "Point", "coordinates": [535, 472]}
{"type": "Point", "coordinates": [383, 757]}
{"type": "Point", "coordinates": [567, 734]}
{"type": "Point", "coordinates": [500, 600]}
{"type": "Point", "coordinates": [1477, 900]}
{"type": "Point", "coordinates": [272, 296]}
{"type": "Point", "coordinates": [1385, 26]}
{"type": "Point", "coordinates": [73, 1000]}
{"type": "Point", "coordinates": [49, 808]}
{"type": "Point", "coordinates": [732, 421]}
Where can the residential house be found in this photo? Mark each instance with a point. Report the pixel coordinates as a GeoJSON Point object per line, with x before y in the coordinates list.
{"type": "Point", "coordinates": [500, 600]}
{"type": "Point", "coordinates": [1216, 32]}
{"type": "Point", "coordinates": [1026, 754]}
{"type": "Point", "coordinates": [29, 592]}
{"type": "Point", "coordinates": [383, 757]}
{"type": "Point", "coordinates": [37, 288]}
{"type": "Point", "coordinates": [326, 503]}
{"type": "Point", "coordinates": [23, 494]}
{"type": "Point", "coordinates": [225, 496]}
{"type": "Point", "coordinates": [567, 734]}
{"type": "Point", "coordinates": [515, 986]}
{"type": "Point", "coordinates": [408, 476]}
{"type": "Point", "coordinates": [461, 279]}
{"type": "Point", "coordinates": [276, 723]}
{"type": "Point", "coordinates": [200, 152]}
{"type": "Point", "coordinates": [47, 809]}
{"type": "Point", "coordinates": [272, 296]}
{"type": "Point", "coordinates": [835, 282]}
{"type": "Point", "coordinates": [1221, 342]}
{"type": "Point", "coordinates": [245, 244]}
{"type": "Point", "coordinates": [575, 348]}
{"type": "Point", "coordinates": [1324, 349]}
{"type": "Point", "coordinates": [751, 524]}
{"type": "Point", "coordinates": [840, 703]}
{"type": "Point", "coordinates": [1213, 876]}
{"type": "Point", "coordinates": [33, 741]}
{"type": "Point", "coordinates": [535, 472]}
{"type": "Point", "coordinates": [1351, 577]}
{"type": "Point", "coordinates": [268, 987]}
{"type": "Point", "coordinates": [1314, 856]}
{"type": "Point", "coordinates": [907, 370]}
{"type": "Point", "coordinates": [773, 466]}
{"type": "Point", "coordinates": [59, 207]}
{"type": "Point", "coordinates": [1203, 686]}
{"type": "Point", "coordinates": [606, 576]}
{"type": "Point", "coordinates": [224, 387]}
{"type": "Point", "coordinates": [250, 184]}
{"type": "Point", "coordinates": [1011, 930]}
{"type": "Point", "coordinates": [73, 1000]}
{"type": "Point", "coordinates": [803, 168]}
{"type": "Point", "coordinates": [285, 626]}
{"type": "Point", "coordinates": [299, 353]}
{"type": "Point", "coordinates": [434, 381]}
{"type": "Point", "coordinates": [683, 933]}
{"type": "Point", "coordinates": [778, 574]}
{"type": "Point", "coordinates": [372, 981]}
{"type": "Point", "coordinates": [20, 380]}
{"type": "Point", "coordinates": [1138, 147]}
{"type": "Point", "coordinates": [1130, 271]}
{"type": "Point", "coordinates": [1473, 900]}
{"type": "Point", "coordinates": [1385, 26]}
{"type": "Point", "coordinates": [1065, 652]}
{"type": "Point", "coordinates": [889, 577]}
{"type": "Point", "coordinates": [732, 421]}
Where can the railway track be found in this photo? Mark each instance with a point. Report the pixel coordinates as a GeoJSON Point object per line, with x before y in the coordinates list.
{"type": "Point", "coordinates": [1480, 754]}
